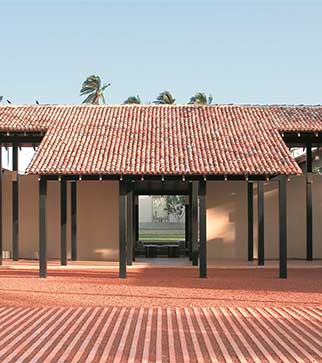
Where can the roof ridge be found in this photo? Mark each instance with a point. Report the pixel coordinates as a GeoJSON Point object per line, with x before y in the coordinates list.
{"type": "Point", "coordinates": [246, 105]}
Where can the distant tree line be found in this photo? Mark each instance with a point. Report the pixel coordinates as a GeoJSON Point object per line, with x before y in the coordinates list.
{"type": "Point", "coordinates": [93, 89]}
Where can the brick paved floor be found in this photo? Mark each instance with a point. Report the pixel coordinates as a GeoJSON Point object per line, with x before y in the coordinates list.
{"type": "Point", "coordinates": [120, 335]}
{"type": "Point", "coordinates": [158, 287]}
{"type": "Point", "coordinates": [160, 315]}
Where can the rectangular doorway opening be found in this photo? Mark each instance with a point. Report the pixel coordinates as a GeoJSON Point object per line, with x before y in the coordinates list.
{"type": "Point", "coordinates": [162, 228]}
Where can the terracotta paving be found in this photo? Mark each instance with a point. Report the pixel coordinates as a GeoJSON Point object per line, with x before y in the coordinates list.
{"type": "Point", "coordinates": [119, 335]}
{"type": "Point", "coordinates": [158, 287]}
{"type": "Point", "coordinates": [160, 315]}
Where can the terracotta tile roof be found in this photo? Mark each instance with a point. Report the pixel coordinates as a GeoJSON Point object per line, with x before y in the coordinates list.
{"type": "Point", "coordinates": [154, 139]}
{"type": "Point", "coordinates": [296, 118]}
{"type": "Point", "coordinates": [24, 118]}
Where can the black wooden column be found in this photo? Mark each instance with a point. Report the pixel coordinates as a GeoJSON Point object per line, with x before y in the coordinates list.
{"type": "Point", "coordinates": [63, 222]}
{"type": "Point", "coordinates": [202, 229]}
{"type": "Point", "coordinates": [15, 204]}
{"type": "Point", "coordinates": [186, 223]}
{"type": "Point", "coordinates": [137, 226]}
{"type": "Point", "coordinates": [1, 246]}
{"type": "Point", "coordinates": [122, 229]}
{"type": "Point", "coordinates": [309, 223]}
{"type": "Point", "coordinates": [250, 214]}
{"type": "Point", "coordinates": [42, 228]}
{"type": "Point", "coordinates": [135, 223]}
{"type": "Point", "coordinates": [129, 224]}
{"type": "Point", "coordinates": [73, 192]}
{"type": "Point", "coordinates": [283, 226]}
{"type": "Point", "coordinates": [194, 222]}
{"type": "Point", "coordinates": [190, 223]}
{"type": "Point", "coordinates": [260, 207]}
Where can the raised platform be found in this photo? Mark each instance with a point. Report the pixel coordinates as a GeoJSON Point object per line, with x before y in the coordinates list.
{"type": "Point", "coordinates": [143, 262]}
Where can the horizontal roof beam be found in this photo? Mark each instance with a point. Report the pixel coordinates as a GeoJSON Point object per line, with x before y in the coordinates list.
{"type": "Point", "coordinates": [299, 139]}
{"type": "Point", "coordinates": [20, 140]}
{"type": "Point", "coordinates": [162, 178]}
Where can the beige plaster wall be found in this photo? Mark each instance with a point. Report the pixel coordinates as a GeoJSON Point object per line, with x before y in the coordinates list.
{"type": "Point", "coordinates": [317, 216]}
{"type": "Point", "coordinates": [6, 212]}
{"type": "Point", "coordinates": [97, 214]}
{"type": "Point", "coordinates": [98, 221]}
{"type": "Point", "coordinates": [97, 217]}
{"type": "Point", "coordinates": [227, 219]}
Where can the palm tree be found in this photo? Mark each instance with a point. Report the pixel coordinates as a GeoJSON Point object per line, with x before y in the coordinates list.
{"type": "Point", "coordinates": [92, 87]}
{"type": "Point", "coordinates": [165, 98]}
{"type": "Point", "coordinates": [200, 98]}
{"type": "Point", "coordinates": [132, 100]}
{"type": "Point", "coordinates": [1, 98]}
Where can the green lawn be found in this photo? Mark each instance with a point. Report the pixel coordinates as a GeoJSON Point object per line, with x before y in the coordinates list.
{"type": "Point", "coordinates": [161, 237]}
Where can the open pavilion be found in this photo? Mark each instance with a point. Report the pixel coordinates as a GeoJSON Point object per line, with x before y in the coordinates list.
{"type": "Point", "coordinates": [161, 149]}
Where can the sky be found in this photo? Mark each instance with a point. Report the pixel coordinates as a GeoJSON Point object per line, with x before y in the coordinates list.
{"type": "Point", "coordinates": [257, 52]}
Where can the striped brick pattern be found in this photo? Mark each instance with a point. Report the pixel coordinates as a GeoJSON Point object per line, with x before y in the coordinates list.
{"type": "Point", "coordinates": [120, 335]}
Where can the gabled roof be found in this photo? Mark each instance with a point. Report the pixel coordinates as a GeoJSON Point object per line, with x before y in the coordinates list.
{"type": "Point", "coordinates": [162, 139]}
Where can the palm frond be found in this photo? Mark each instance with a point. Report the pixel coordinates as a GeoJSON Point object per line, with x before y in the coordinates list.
{"type": "Point", "coordinates": [92, 82]}
{"type": "Point", "coordinates": [165, 97]}
{"type": "Point", "coordinates": [92, 86]}
{"type": "Point", "coordinates": [105, 86]}
{"type": "Point", "coordinates": [132, 100]}
{"type": "Point", "coordinates": [90, 99]}
{"type": "Point", "coordinates": [87, 90]}
{"type": "Point", "coordinates": [200, 98]}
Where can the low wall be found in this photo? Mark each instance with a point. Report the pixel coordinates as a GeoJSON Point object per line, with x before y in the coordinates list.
{"type": "Point", "coordinates": [97, 218]}
{"type": "Point", "coordinates": [227, 219]}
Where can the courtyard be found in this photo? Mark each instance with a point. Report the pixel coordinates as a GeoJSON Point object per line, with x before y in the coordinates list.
{"type": "Point", "coordinates": [160, 181]}
{"type": "Point", "coordinates": [85, 313]}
